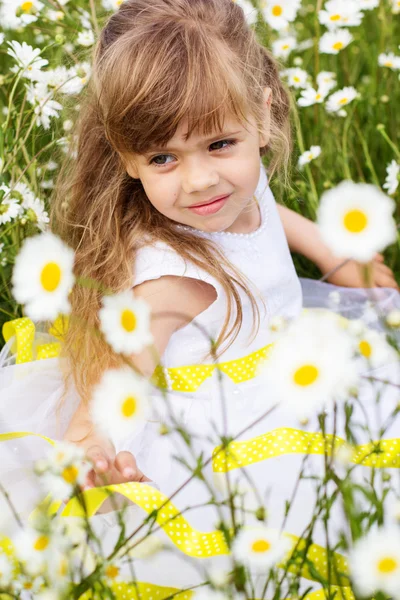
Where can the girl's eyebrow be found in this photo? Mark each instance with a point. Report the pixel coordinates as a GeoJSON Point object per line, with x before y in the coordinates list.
{"type": "Point", "coordinates": [209, 140]}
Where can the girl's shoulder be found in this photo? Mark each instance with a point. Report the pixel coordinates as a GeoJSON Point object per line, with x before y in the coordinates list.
{"type": "Point", "coordinates": [157, 259]}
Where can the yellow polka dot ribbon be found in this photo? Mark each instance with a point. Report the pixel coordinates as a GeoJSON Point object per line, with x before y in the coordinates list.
{"type": "Point", "coordinates": [187, 378]}
{"type": "Point", "coordinates": [24, 331]}
{"type": "Point", "coordinates": [282, 441]}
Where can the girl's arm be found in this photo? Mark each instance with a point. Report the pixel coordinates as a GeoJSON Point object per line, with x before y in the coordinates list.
{"type": "Point", "coordinates": [303, 237]}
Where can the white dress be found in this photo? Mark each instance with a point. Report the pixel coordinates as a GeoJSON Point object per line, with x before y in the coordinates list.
{"type": "Point", "coordinates": [29, 394]}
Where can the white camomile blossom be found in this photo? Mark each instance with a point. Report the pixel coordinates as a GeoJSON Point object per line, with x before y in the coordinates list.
{"type": "Point", "coordinates": [250, 12]}
{"type": "Point", "coordinates": [120, 404]}
{"type": "Point", "coordinates": [389, 60]}
{"type": "Point", "coordinates": [28, 58]}
{"type": "Point", "coordinates": [326, 79]}
{"type": "Point", "coordinates": [15, 14]}
{"type": "Point", "coordinates": [340, 13]}
{"type": "Point", "coordinates": [282, 47]}
{"type": "Point", "coordinates": [261, 548]}
{"type": "Point", "coordinates": [6, 571]}
{"type": "Point", "coordinates": [395, 7]}
{"type": "Point", "coordinates": [63, 469]}
{"type": "Point", "coordinates": [373, 346]}
{"type": "Point", "coordinates": [279, 13]}
{"type": "Point", "coordinates": [43, 276]}
{"type": "Point", "coordinates": [312, 364]}
{"type": "Point", "coordinates": [9, 209]}
{"type": "Point", "coordinates": [374, 562]}
{"type": "Point", "coordinates": [296, 77]}
{"type": "Point", "coordinates": [33, 547]}
{"type": "Point", "coordinates": [31, 583]}
{"type": "Point", "coordinates": [85, 38]}
{"type": "Point", "coordinates": [309, 155]}
{"type": "Point", "coordinates": [341, 98]}
{"type": "Point", "coordinates": [39, 96]}
{"type": "Point", "coordinates": [356, 220]}
{"type": "Point", "coordinates": [111, 4]}
{"type": "Point", "coordinates": [392, 177]}
{"type": "Point", "coordinates": [125, 322]}
{"type": "Point", "coordinates": [310, 96]}
{"type": "Point", "coordinates": [332, 42]}
{"type": "Point", "coordinates": [368, 4]}
{"type": "Point", "coordinates": [2, 38]}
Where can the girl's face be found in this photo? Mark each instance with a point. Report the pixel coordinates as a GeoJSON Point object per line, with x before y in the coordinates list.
{"type": "Point", "coordinates": [182, 178]}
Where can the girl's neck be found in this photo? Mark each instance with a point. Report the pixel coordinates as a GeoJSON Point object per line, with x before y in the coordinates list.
{"type": "Point", "coordinates": [249, 219]}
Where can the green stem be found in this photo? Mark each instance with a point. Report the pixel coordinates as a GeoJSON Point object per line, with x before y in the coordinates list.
{"type": "Point", "coordinates": [367, 154]}
{"type": "Point", "coordinates": [381, 129]}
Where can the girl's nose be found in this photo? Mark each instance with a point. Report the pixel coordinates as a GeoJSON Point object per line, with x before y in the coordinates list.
{"type": "Point", "coordinates": [199, 177]}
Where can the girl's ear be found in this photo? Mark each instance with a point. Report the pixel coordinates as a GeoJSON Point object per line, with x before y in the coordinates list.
{"type": "Point", "coordinates": [264, 139]}
{"type": "Point", "coordinates": [130, 167]}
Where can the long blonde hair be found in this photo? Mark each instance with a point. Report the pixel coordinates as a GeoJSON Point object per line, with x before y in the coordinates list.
{"type": "Point", "coordinates": [155, 64]}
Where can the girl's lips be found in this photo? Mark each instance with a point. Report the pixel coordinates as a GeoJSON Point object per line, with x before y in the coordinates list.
{"type": "Point", "coordinates": [209, 209]}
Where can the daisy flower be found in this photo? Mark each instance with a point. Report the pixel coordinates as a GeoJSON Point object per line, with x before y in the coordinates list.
{"type": "Point", "coordinates": [395, 7]}
{"type": "Point", "coordinates": [44, 107]}
{"type": "Point", "coordinates": [389, 60]}
{"type": "Point", "coordinates": [297, 78]}
{"type": "Point", "coordinates": [42, 277]}
{"type": "Point", "coordinates": [250, 12]}
{"type": "Point", "coordinates": [18, 13]}
{"type": "Point", "coordinates": [85, 38]}
{"type": "Point", "coordinates": [374, 562]}
{"type": "Point", "coordinates": [340, 13]}
{"type": "Point", "coordinates": [120, 404]}
{"type": "Point", "coordinates": [310, 96]}
{"type": "Point", "coordinates": [373, 346]}
{"type": "Point", "coordinates": [334, 41]}
{"type": "Point", "coordinates": [34, 548]}
{"type": "Point", "coordinates": [355, 220]}
{"type": "Point", "coordinates": [260, 548]}
{"type": "Point", "coordinates": [326, 80]}
{"type": "Point", "coordinates": [309, 155]}
{"type": "Point", "coordinates": [6, 571]}
{"type": "Point", "coordinates": [28, 58]}
{"type": "Point", "coordinates": [278, 13]}
{"type": "Point", "coordinates": [111, 4]}
{"type": "Point", "coordinates": [2, 38]}
{"type": "Point", "coordinates": [392, 177]}
{"type": "Point", "coordinates": [64, 469]}
{"type": "Point", "coordinates": [340, 98]}
{"type": "Point", "coordinates": [368, 4]}
{"type": "Point", "coordinates": [36, 212]}
{"type": "Point", "coordinates": [282, 47]}
{"type": "Point", "coordinates": [312, 364]}
{"type": "Point", "coordinates": [125, 322]}
{"type": "Point", "coordinates": [9, 209]}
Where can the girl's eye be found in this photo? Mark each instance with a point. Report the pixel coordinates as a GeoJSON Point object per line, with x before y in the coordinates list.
{"type": "Point", "coordinates": [230, 143]}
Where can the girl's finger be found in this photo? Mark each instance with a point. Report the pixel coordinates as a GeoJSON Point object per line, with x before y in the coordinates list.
{"type": "Point", "coordinates": [98, 457]}
{"type": "Point", "coordinates": [379, 257]}
{"type": "Point", "coordinates": [125, 463]}
{"type": "Point", "coordinates": [387, 281]}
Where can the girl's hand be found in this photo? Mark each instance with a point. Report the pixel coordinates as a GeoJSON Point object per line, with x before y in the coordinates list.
{"type": "Point", "coordinates": [350, 274]}
{"type": "Point", "coordinates": [109, 468]}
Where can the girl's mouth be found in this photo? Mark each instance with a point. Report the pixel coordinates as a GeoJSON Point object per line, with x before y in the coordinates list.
{"type": "Point", "coordinates": [211, 208]}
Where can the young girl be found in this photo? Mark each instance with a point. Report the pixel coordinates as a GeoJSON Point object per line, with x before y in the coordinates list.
{"type": "Point", "coordinates": [168, 197]}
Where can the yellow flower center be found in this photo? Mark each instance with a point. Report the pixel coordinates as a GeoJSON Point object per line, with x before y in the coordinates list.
{"type": "Point", "coordinates": [295, 78]}
{"type": "Point", "coordinates": [365, 348]}
{"type": "Point", "coordinates": [334, 17]}
{"type": "Point", "coordinates": [388, 63]}
{"type": "Point", "coordinates": [26, 6]}
{"type": "Point", "coordinates": [338, 46]}
{"type": "Point", "coordinates": [70, 474]}
{"type": "Point", "coordinates": [112, 571]}
{"type": "Point", "coordinates": [318, 97]}
{"type": "Point", "coordinates": [355, 221]}
{"type": "Point", "coordinates": [277, 10]}
{"type": "Point", "coordinates": [50, 277]}
{"type": "Point", "coordinates": [63, 570]}
{"type": "Point", "coordinates": [260, 546]}
{"type": "Point", "coordinates": [128, 407]}
{"type": "Point", "coordinates": [387, 565]}
{"type": "Point", "coordinates": [285, 46]}
{"type": "Point", "coordinates": [128, 320]}
{"type": "Point", "coordinates": [306, 375]}
{"type": "Point", "coordinates": [28, 585]}
{"type": "Point", "coordinates": [343, 101]}
{"type": "Point", "coordinates": [41, 543]}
